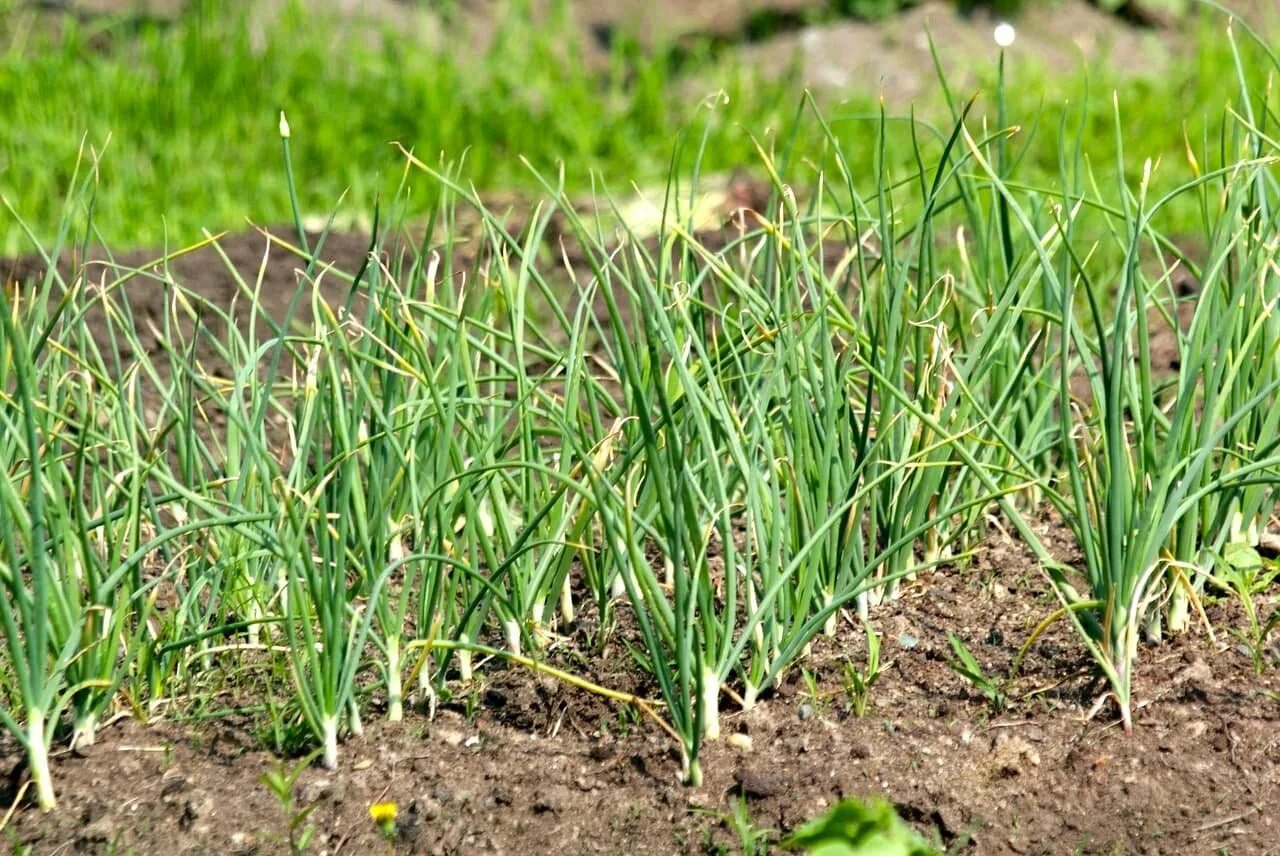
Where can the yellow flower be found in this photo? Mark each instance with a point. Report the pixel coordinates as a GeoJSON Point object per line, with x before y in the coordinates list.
{"type": "Point", "coordinates": [384, 815]}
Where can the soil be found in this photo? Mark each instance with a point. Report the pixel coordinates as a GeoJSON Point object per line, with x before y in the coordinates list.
{"type": "Point", "coordinates": [203, 272]}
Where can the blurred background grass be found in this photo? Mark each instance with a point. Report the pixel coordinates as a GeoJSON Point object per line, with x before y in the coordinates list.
{"type": "Point", "coordinates": [179, 113]}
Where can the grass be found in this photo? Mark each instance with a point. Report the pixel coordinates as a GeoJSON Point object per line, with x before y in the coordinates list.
{"type": "Point", "coordinates": [209, 96]}
{"type": "Point", "coordinates": [731, 444]}
{"type": "Point", "coordinates": [210, 88]}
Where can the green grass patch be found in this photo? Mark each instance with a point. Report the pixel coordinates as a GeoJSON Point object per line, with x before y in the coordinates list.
{"type": "Point", "coordinates": [180, 118]}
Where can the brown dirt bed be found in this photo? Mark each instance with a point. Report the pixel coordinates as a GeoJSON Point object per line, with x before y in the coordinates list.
{"type": "Point", "coordinates": [540, 767]}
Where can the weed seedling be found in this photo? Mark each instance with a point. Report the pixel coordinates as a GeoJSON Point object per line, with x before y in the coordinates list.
{"type": "Point", "coordinates": [1248, 575]}
{"type": "Point", "coordinates": [752, 839]}
{"type": "Point", "coordinates": [281, 780]}
{"type": "Point", "coordinates": [853, 826]}
{"type": "Point", "coordinates": [966, 666]}
{"type": "Point", "coordinates": [818, 701]}
{"type": "Point", "coordinates": [858, 683]}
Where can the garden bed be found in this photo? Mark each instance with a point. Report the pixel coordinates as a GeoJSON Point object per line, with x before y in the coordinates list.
{"type": "Point", "coordinates": [940, 466]}
{"type": "Point", "coordinates": [519, 760]}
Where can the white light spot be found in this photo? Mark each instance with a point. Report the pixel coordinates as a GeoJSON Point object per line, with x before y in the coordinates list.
{"type": "Point", "coordinates": [1005, 34]}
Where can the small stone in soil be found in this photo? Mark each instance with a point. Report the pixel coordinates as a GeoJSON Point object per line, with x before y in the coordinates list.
{"type": "Point", "coordinates": [1198, 674]}
{"type": "Point", "coordinates": [753, 783]}
{"type": "Point", "coordinates": [172, 784]}
{"type": "Point", "coordinates": [451, 737]}
{"type": "Point", "coordinates": [1011, 754]}
{"type": "Point", "coordinates": [318, 790]}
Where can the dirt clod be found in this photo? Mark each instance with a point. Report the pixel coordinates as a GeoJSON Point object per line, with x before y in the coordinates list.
{"type": "Point", "coordinates": [1011, 754]}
